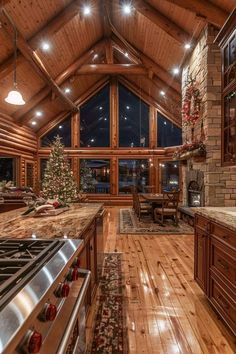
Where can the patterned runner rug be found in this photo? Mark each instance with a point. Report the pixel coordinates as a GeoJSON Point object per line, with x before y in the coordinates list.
{"type": "Point", "coordinates": [110, 333]}
{"type": "Point", "coordinates": [129, 224]}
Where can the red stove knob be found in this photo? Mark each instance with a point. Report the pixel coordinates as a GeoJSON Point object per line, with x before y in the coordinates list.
{"type": "Point", "coordinates": [63, 290]}
{"type": "Point", "coordinates": [76, 262]}
{"type": "Point", "coordinates": [34, 342]}
{"type": "Point", "coordinates": [73, 274]}
{"type": "Point", "coordinates": [49, 312]}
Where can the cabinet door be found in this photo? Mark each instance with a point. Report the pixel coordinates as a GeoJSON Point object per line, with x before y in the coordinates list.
{"type": "Point", "coordinates": [201, 258]}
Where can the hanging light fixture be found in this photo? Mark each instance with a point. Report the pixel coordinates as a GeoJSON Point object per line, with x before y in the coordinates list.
{"type": "Point", "coordinates": [14, 96]}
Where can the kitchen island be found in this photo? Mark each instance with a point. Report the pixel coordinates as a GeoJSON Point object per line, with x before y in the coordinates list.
{"type": "Point", "coordinates": [80, 221]}
{"type": "Point", "coordinates": [215, 259]}
{"type": "Point", "coordinates": [71, 224]}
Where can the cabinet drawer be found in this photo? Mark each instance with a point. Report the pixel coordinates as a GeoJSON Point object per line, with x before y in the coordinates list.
{"type": "Point", "coordinates": [202, 222]}
{"type": "Point", "coordinates": [224, 234]}
{"type": "Point", "coordinates": [224, 302]}
{"type": "Point", "coordinates": [223, 261]}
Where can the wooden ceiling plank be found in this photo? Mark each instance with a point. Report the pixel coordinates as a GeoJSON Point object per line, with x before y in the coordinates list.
{"type": "Point", "coordinates": [85, 57]}
{"type": "Point", "coordinates": [105, 10]}
{"type": "Point", "coordinates": [205, 9]}
{"type": "Point", "coordinates": [34, 60]}
{"type": "Point", "coordinates": [112, 69]}
{"type": "Point", "coordinates": [162, 21]}
{"type": "Point", "coordinates": [160, 72]}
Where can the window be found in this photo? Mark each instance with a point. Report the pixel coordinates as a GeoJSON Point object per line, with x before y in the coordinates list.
{"type": "Point", "coordinates": [133, 173]}
{"type": "Point", "coordinates": [133, 120]}
{"type": "Point", "coordinates": [168, 134]}
{"type": "Point", "coordinates": [95, 120]}
{"type": "Point", "coordinates": [169, 175]}
{"type": "Point", "coordinates": [95, 176]}
{"type": "Point", "coordinates": [63, 129]}
{"type": "Point", "coordinates": [7, 169]}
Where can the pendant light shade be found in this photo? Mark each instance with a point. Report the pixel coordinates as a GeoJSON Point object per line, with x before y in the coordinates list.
{"type": "Point", "coordinates": [15, 97]}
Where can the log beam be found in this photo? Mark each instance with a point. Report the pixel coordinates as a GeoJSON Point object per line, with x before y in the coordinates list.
{"type": "Point", "coordinates": [205, 9]}
{"type": "Point", "coordinates": [60, 79]}
{"type": "Point", "coordinates": [162, 21]}
{"type": "Point", "coordinates": [9, 25]}
{"type": "Point", "coordinates": [112, 69]}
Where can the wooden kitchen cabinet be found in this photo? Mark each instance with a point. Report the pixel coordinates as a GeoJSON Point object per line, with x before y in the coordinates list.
{"type": "Point", "coordinates": [90, 247]}
{"type": "Point", "coordinates": [215, 266]}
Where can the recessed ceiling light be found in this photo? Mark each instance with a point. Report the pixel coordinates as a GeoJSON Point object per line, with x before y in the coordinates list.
{"type": "Point", "coordinates": [67, 90]}
{"type": "Point", "coordinates": [176, 71]}
{"type": "Point", "coordinates": [187, 46]}
{"type": "Point", "coordinates": [39, 114]}
{"type": "Point", "coordinates": [162, 93]}
{"type": "Point", "coordinates": [87, 10]}
{"type": "Point", "coordinates": [45, 46]}
{"type": "Point", "coordinates": [95, 56]}
{"type": "Point", "coordinates": [126, 54]}
{"type": "Point", "coordinates": [33, 122]}
{"type": "Point", "coordinates": [127, 9]}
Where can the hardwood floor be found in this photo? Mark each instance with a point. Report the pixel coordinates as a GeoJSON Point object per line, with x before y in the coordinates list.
{"type": "Point", "coordinates": [166, 310]}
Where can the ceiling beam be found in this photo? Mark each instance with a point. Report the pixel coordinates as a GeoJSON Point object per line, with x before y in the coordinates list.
{"type": "Point", "coordinates": [112, 69]}
{"type": "Point", "coordinates": [109, 52]}
{"type": "Point", "coordinates": [60, 79]}
{"type": "Point", "coordinates": [105, 10]}
{"type": "Point", "coordinates": [205, 9]}
{"type": "Point", "coordinates": [9, 25]}
{"type": "Point", "coordinates": [50, 29]}
{"type": "Point", "coordinates": [162, 21]}
{"type": "Point", "coordinates": [164, 75]}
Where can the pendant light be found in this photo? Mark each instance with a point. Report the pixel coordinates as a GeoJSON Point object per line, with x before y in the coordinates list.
{"type": "Point", "coordinates": [14, 96]}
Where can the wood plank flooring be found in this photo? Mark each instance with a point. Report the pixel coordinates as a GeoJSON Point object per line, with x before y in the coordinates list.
{"type": "Point", "coordinates": [166, 310]}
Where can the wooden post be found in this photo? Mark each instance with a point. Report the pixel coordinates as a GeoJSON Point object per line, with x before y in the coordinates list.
{"type": "Point", "coordinates": [152, 127]}
{"type": "Point", "coordinates": [75, 130]}
{"type": "Point", "coordinates": [114, 116]}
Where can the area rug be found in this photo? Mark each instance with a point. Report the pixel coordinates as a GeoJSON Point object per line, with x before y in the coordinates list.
{"type": "Point", "coordinates": [129, 224]}
{"type": "Point", "coordinates": [110, 333]}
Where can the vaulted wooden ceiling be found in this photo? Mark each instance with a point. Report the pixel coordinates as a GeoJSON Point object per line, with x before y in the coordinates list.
{"type": "Point", "coordinates": [86, 50]}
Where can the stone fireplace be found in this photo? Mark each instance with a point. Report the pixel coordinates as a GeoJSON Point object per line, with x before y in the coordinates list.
{"type": "Point", "coordinates": [195, 188]}
{"type": "Point", "coordinates": [206, 181]}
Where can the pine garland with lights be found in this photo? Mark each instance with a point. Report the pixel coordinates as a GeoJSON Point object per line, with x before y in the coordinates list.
{"type": "Point", "coordinates": [58, 181]}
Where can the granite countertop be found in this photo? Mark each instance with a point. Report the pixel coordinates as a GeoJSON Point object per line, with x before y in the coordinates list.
{"type": "Point", "coordinates": [226, 216]}
{"type": "Point", "coordinates": [71, 223]}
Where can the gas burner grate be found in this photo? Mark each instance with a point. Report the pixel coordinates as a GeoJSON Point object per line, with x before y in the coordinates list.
{"type": "Point", "coordinates": [20, 260]}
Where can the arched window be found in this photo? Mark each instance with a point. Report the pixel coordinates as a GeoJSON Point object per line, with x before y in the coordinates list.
{"type": "Point", "coordinates": [168, 134]}
{"type": "Point", "coordinates": [133, 120]}
{"type": "Point", "coordinates": [95, 120]}
{"type": "Point", "coordinates": [63, 129]}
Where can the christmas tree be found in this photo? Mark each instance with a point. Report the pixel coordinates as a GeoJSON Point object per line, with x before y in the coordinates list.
{"type": "Point", "coordinates": [86, 178]}
{"type": "Point", "coordinates": [58, 181]}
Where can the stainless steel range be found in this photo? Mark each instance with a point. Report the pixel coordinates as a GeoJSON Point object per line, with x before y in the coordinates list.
{"type": "Point", "coordinates": [43, 296]}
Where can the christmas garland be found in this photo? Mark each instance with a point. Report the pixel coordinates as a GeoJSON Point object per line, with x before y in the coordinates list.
{"type": "Point", "coordinates": [191, 104]}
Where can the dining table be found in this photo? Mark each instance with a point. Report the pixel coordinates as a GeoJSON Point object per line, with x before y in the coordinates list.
{"type": "Point", "coordinates": [155, 199]}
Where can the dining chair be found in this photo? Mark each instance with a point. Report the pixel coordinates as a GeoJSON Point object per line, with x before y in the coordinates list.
{"type": "Point", "coordinates": [141, 208]}
{"type": "Point", "coordinates": [169, 207]}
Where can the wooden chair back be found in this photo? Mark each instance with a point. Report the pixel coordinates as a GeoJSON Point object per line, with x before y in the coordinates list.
{"type": "Point", "coordinates": [171, 200]}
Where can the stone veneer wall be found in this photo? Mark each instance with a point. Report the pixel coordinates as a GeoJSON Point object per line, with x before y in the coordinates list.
{"type": "Point", "coordinates": [205, 65]}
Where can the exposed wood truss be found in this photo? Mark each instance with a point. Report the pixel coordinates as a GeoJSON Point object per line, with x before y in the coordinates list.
{"type": "Point", "coordinates": [51, 28]}
{"type": "Point", "coordinates": [33, 59]}
{"type": "Point", "coordinates": [162, 21]}
{"type": "Point", "coordinates": [206, 9]}
{"type": "Point", "coordinates": [60, 79]}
